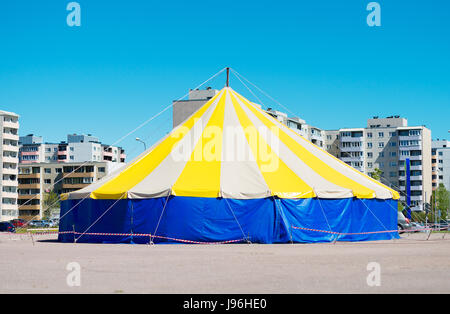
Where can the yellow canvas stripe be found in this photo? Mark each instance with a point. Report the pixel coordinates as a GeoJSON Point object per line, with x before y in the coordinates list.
{"type": "Point", "coordinates": [281, 180]}
{"type": "Point", "coordinates": [201, 174]}
{"type": "Point", "coordinates": [395, 194]}
{"type": "Point", "coordinates": [141, 168]}
{"type": "Point", "coordinates": [320, 167]}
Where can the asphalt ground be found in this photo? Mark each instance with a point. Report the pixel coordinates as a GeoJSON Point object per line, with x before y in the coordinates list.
{"type": "Point", "coordinates": [408, 265]}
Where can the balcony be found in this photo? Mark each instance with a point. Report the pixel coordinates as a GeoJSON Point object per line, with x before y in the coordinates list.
{"type": "Point", "coordinates": [10, 136]}
{"type": "Point", "coordinates": [10, 159]}
{"type": "Point", "coordinates": [402, 167]}
{"type": "Point", "coordinates": [29, 207]}
{"type": "Point", "coordinates": [9, 194]}
{"type": "Point", "coordinates": [13, 171]}
{"type": "Point", "coordinates": [28, 196]}
{"type": "Point", "coordinates": [30, 186]}
{"type": "Point", "coordinates": [11, 125]}
{"type": "Point", "coordinates": [79, 174]}
{"type": "Point", "coordinates": [76, 186]}
{"type": "Point", "coordinates": [413, 188]}
{"type": "Point", "coordinates": [350, 158]}
{"type": "Point", "coordinates": [9, 206]}
{"type": "Point", "coordinates": [410, 138]}
{"type": "Point", "coordinates": [403, 158]}
{"type": "Point", "coordinates": [352, 139]}
{"type": "Point", "coordinates": [10, 183]}
{"type": "Point", "coordinates": [30, 176]}
{"type": "Point", "coordinates": [10, 148]}
{"type": "Point", "coordinates": [352, 149]}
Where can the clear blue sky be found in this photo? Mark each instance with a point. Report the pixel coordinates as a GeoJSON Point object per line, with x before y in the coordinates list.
{"type": "Point", "coordinates": [130, 59]}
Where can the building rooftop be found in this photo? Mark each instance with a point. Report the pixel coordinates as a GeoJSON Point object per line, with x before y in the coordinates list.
{"type": "Point", "coordinates": [7, 113]}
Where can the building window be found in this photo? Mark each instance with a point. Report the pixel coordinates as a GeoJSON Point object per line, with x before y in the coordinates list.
{"type": "Point", "coordinates": [47, 170]}
{"type": "Point", "coordinates": [381, 144]}
{"type": "Point", "coordinates": [369, 145]}
{"type": "Point", "coordinates": [380, 134]}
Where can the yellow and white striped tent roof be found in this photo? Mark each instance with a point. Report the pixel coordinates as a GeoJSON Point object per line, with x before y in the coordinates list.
{"type": "Point", "coordinates": [231, 148]}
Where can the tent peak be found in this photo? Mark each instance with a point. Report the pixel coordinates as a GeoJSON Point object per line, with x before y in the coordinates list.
{"type": "Point", "coordinates": [228, 77]}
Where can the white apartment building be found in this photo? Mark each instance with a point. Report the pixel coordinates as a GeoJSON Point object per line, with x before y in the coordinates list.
{"type": "Point", "coordinates": [78, 148]}
{"type": "Point", "coordinates": [311, 133]}
{"type": "Point", "coordinates": [37, 179]}
{"type": "Point", "coordinates": [9, 123]}
{"type": "Point", "coordinates": [385, 144]}
{"type": "Point", "coordinates": [440, 163]}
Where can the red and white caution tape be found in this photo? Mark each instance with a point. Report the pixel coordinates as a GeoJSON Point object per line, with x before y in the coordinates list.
{"type": "Point", "coordinates": [368, 232]}
{"type": "Point", "coordinates": [125, 235]}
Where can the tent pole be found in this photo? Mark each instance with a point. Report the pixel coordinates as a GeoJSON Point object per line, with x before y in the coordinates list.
{"type": "Point", "coordinates": [228, 77]}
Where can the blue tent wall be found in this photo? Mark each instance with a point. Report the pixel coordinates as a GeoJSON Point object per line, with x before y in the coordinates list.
{"type": "Point", "coordinates": [266, 220]}
{"type": "Point", "coordinates": [350, 215]}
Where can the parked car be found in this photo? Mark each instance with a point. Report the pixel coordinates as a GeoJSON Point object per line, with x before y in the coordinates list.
{"type": "Point", "coordinates": [403, 223]}
{"type": "Point", "coordinates": [55, 222]}
{"type": "Point", "coordinates": [18, 222]}
{"type": "Point", "coordinates": [418, 226]}
{"type": "Point", "coordinates": [39, 224]}
{"type": "Point", "coordinates": [7, 227]}
{"type": "Point", "coordinates": [46, 223]}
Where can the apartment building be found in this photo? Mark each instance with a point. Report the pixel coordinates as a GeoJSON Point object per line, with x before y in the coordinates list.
{"type": "Point", "coordinates": [385, 144]}
{"type": "Point", "coordinates": [9, 124]}
{"type": "Point", "coordinates": [440, 158]}
{"type": "Point", "coordinates": [183, 109]}
{"type": "Point", "coordinates": [311, 133]}
{"type": "Point", "coordinates": [77, 148]}
{"type": "Point", "coordinates": [37, 179]}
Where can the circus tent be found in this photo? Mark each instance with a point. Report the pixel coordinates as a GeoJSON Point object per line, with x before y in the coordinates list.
{"type": "Point", "coordinates": [231, 172]}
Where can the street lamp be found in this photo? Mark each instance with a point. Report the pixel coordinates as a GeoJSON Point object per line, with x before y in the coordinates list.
{"type": "Point", "coordinates": [139, 140]}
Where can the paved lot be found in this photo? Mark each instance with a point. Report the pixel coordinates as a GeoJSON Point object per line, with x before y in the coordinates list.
{"type": "Point", "coordinates": [408, 265]}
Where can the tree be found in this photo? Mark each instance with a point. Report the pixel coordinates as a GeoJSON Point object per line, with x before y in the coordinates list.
{"type": "Point", "coordinates": [51, 203]}
{"type": "Point", "coordinates": [440, 201]}
{"type": "Point", "coordinates": [376, 174]}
